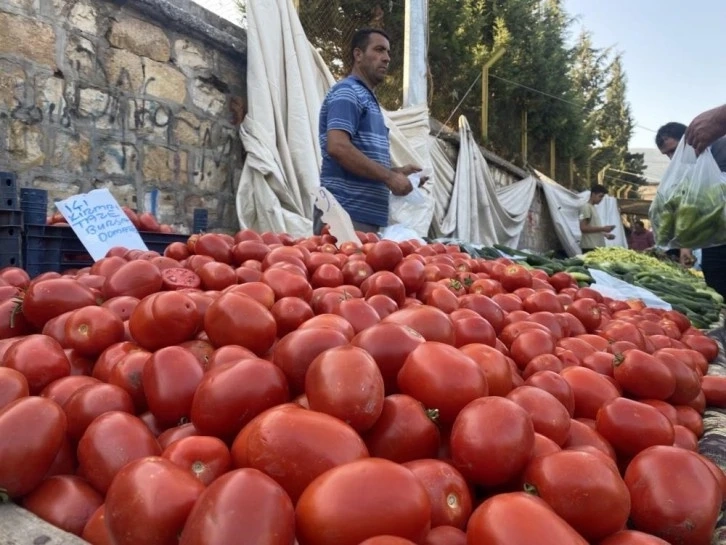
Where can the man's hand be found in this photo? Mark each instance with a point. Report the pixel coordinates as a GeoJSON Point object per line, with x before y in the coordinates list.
{"type": "Point", "coordinates": [607, 229]}
{"type": "Point", "coordinates": [399, 184]}
{"type": "Point", "coordinates": [706, 128]}
{"type": "Point", "coordinates": [411, 169]}
{"type": "Point", "coordinates": [610, 236]}
{"type": "Point", "coordinates": [687, 259]}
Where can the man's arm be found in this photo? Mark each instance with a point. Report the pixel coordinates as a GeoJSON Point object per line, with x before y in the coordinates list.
{"type": "Point", "coordinates": [355, 161]}
{"type": "Point", "coordinates": [706, 128]}
{"type": "Point", "coordinates": [585, 227]}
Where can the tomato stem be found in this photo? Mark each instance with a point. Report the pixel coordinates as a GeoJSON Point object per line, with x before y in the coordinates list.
{"type": "Point", "coordinates": [4, 496]}
{"type": "Point", "coordinates": [18, 308]}
{"type": "Point", "coordinates": [433, 415]}
{"type": "Point", "coordinates": [531, 489]}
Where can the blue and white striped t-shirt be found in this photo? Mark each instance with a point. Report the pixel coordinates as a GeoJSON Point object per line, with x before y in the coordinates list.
{"type": "Point", "coordinates": [351, 107]}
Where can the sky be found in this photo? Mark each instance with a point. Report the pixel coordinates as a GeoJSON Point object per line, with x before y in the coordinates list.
{"type": "Point", "coordinates": [673, 54]}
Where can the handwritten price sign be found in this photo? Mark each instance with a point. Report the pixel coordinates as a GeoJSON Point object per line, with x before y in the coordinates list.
{"type": "Point", "coordinates": [99, 222]}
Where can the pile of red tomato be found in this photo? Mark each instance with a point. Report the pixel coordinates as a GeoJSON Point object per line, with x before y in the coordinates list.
{"type": "Point", "coordinates": [265, 390]}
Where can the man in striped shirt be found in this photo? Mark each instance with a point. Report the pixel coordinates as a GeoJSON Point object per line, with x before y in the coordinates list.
{"type": "Point", "coordinates": [354, 141]}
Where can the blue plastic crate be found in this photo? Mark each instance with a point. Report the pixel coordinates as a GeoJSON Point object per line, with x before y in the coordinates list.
{"type": "Point", "coordinates": [201, 219]}
{"type": "Point", "coordinates": [8, 191]}
{"type": "Point", "coordinates": [11, 218]}
{"type": "Point", "coordinates": [34, 203]}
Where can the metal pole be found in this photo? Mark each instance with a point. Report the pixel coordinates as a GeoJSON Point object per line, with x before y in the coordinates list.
{"type": "Point", "coordinates": [485, 92]}
{"type": "Point", "coordinates": [553, 154]}
{"type": "Point", "coordinates": [524, 137]}
{"type": "Point", "coordinates": [415, 52]}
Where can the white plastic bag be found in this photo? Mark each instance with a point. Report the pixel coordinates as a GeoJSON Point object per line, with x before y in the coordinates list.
{"type": "Point", "coordinates": [412, 210]}
{"type": "Point", "coordinates": [617, 289]}
{"type": "Point", "coordinates": [689, 209]}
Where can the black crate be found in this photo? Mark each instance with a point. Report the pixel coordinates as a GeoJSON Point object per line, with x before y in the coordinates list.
{"type": "Point", "coordinates": [34, 203]}
{"type": "Point", "coordinates": [201, 218]}
{"type": "Point", "coordinates": [9, 191]}
{"type": "Point", "coordinates": [57, 248]}
{"type": "Point", "coordinates": [11, 218]}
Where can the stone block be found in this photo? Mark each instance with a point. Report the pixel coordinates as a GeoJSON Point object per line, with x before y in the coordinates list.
{"type": "Point", "coordinates": [12, 84]}
{"type": "Point", "coordinates": [50, 98]}
{"type": "Point", "coordinates": [93, 103]}
{"type": "Point", "coordinates": [124, 70]}
{"type": "Point", "coordinates": [211, 171]}
{"type": "Point", "coordinates": [117, 159]}
{"type": "Point", "coordinates": [208, 202]}
{"type": "Point", "coordinates": [208, 98]}
{"type": "Point", "coordinates": [124, 192]}
{"type": "Point", "coordinates": [164, 165]}
{"type": "Point", "coordinates": [190, 58]}
{"type": "Point", "coordinates": [25, 144]}
{"type": "Point", "coordinates": [149, 118]}
{"type": "Point", "coordinates": [187, 129]}
{"type": "Point", "coordinates": [57, 189]}
{"type": "Point", "coordinates": [83, 17]}
{"type": "Point", "coordinates": [140, 37]}
{"type": "Point", "coordinates": [165, 82]}
{"type": "Point", "coordinates": [28, 6]}
{"type": "Point", "coordinates": [71, 152]}
{"type": "Point", "coordinates": [80, 56]}
{"type": "Point", "coordinates": [27, 38]}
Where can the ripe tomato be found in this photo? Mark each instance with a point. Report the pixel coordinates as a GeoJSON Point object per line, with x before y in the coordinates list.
{"type": "Point", "coordinates": [430, 322]}
{"type": "Point", "coordinates": [587, 312]}
{"type": "Point", "coordinates": [591, 390]}
{"type": "Point", "coordinates": [445, 535]}
{"type": "Point", "coordinates": [170, 378]}
{"type": "Point", "coordinates": [714, 388]}
{"type": "Point", "coordinates": [164, 319]}
{"type": "Point", "coordinates": [447, 489]}
{"type": "Point", "coordinates": [122, 306]}
{"type": "Point", "coordinates": [389, 344]}
{"type": "Point", "coordinates": [345, 382]}
{"type": "Point", "coordinates": [95, 530]}
{"type": "Point", "coordinates": [294, 445]}
{"type": "Point", "coordinates": [40, 359]}
{"type": "Point", "coordinates": [363, 499]}
{"type": "Point", "coordinates": [214, 246]}
{"type": "Point", "coordinates": [584, 435]}
{"type": "Point", "coordinates": [499, 521]}
{"type": "Point", "coordinates": [263, 512]}
{"type": "Point", "coordinates": [442, 377]}
{"type": "Point", "coordinates": [137, 278]}
{"type": "Point", "coordinates": [110, 442]}
{"type": "Point", "coordinates": [474, 329]}
{"type": "Point", "coordinates": [385, 283]}
{"type": "Point", "coordinates": [549, 415]}
{"type": "Point", "coordinates": [494, 365]}
{"type": "Point", "coordinates": [492, 441]}
{"type": "Point", "coordinates": [227, 354]}
{"type": "Point", "coordinates": [239, 319]}
{"type": "Point", "coordinates": [207, 458]}
{"type": "Point", "coordinates": [177, 278]}
{"type": "Point", "coordinates": [630, 426]}
{"type": "Point", "coordinates": [584, 489]}
{"type": "Point", "coordinates": [330, 321]}
{"type": "Point", "coordinates": [296, 351]}
{"type": "Point", "coordinates": [486, 308]}
{"type": "Point", "coordinates": [543, 362]}
{"type": "Point", "coordinates": [670, 485]}
{"type": "Point", "coordinates": [530, 344]}
{"type": "Point", "coordinates": [13, 385]}
{"type": "Point", "coordinates": [149, 502]}
{"type": "Point", "coordinates": [90, 330]}
{"type": "Point", "coordinates": [46, 299]}
{"type": "Point", "coordinates": [168, 436]}
{"type": "Point", "coordinates": [110, 358]}
{"type": "Point", "coordinates": [65, 501]}
{"type": "Point", "coordinates": [405, 431]}
{"type": "Point", "coordinates": [290, 313]}
{"type": "Point", "coordinates": [703, 344]}
{"type": "Point", "coordinates": [33, 430]}
{"type": "Point", "coordinates": [553, 383]}
{"type": "Point", "coordinates": [89, 402]}
{"type": "Point", "coordinates": [633, 537]}
{"type": "Point", "coordinates": [231, 394]}
{"type": "Point", "coordinates": [644, 376]}
{"type": "Point", "coordinates": [387, 540]}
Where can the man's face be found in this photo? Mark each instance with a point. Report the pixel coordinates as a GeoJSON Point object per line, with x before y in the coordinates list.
{"type": "Point", "coordinates": [374, 61]}
{"type": "Point", "coordinates": [669, 147]}
{"type": "Point", "coordinates": [639, 228]}
{"type": "Point", "coordinates": [597, 198]}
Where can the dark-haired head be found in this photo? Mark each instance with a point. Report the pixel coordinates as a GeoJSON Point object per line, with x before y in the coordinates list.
{"type": "Point", "coordinates": [360, 40]}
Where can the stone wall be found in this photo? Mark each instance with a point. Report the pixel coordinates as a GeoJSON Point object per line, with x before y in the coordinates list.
{"type": "Point", "coordinates": [131, 95]}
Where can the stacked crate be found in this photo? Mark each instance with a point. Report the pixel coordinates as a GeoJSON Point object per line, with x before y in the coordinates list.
{"type": "Point", "coordinates": [11, 222]}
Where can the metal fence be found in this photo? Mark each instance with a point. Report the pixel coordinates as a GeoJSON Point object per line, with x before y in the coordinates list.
{"type": "Point", "coordinates": [330, 25]}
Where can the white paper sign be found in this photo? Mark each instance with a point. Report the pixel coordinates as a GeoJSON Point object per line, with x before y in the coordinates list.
{"type": "Point", "coordinates": [99, 222]}
{"type": "Point", "coordinates": [341, 227]}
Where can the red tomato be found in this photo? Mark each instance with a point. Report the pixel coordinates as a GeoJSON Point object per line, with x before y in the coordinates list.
{"type": "Point", "coordinates": [164, 319]}
{"type": "Point", "coordinates": [587, 311]}
{"type": "Point", "coordinates": [584, 435]}
{"type": "Point", "coordinates": [494, 365]}
{"type": "Point", "coordinates": [514, 277]}
{"type": "Point", "coordinates": [264, 514]}
{"type": "Point", "coordinates": [46, 299]}
{"type": "Point", "coordinates": [259, 291]}
{"type": "Point", "coordinates": [207, 458]}
{"type": "Point", "coordinates": [330, 321]}
{"type": "Point", "coordinates": [170, 378]}
{"type": "Point", "coordinates": [168, 436]}
{"type": "Point", "coordinates": [13, 385]}
{"type": "Point", "coordinates": [447, 489]}
{"type": "Point", "coordinates": [685, 438]}
{"type": "Point", "coordinates": [90, 330]}
{"type": "Point", "coordinates": [216, 276]}
{"type": "Point", "coordinates": [714, 388]}
{"type": "Point", "coordinates": [543, 362]}
{"type": "Point", "coordinates": [389, 344]}
{"type": "Point", "coordinates": [644, 376]}
{"type": "Point", "coordinates": [40, 359]}
{"type": "Point", "coordinates": [442, 377]}
{"type": "Point", "coordinates": [294, 446]}
{"type": "Point", "coordinates": [387, 540]}
{"type": "Point", "coordinates": [668, 486]}
{"type": "Point", "coordinates": [549, 415]}
{"type": "Point", "coordinates": [356, 272]}
{"type": "Point", "coordinates": [289, 314]}
{"type": "Point", "coordinates": [89, 402]}
{"type": "Point", "coordinates": [345, 382]}
{"type": "Point", "coordinates": [110, 442]}
{"type": "Point", "coordinates": [215, 246]}
{"type": "Point", "coordinates": [363, 499]}
{"type": "Point", "coordinates": [228, 354]}
{"type": "Point", "coordinates": [530, 344]}
{"type": "Point", "coordinates": [384, 255]}
{"type": "Point", "coordinates": [703, 344]}
{"type": "Point", "coordinates": [33, 430]}
{"type": "Point", "coordinates": [492, 441]}
{"type": "Point", "coordinates": [473, 329]}
{"type": "Point", "coordinates": [137, 278]}
{"type": "Point", "coordinates": [122, 306]}
{"type": "Point", "coordinates": [149, 502]}
{"type": "Point", "coordinates": [553, 383]}
{"type": "Point", "coordinates": [95, 530]}
{"type": "Point", "coordinates": [411, 273]}
{"type": "Point", "coordinates": [429, 322]}
{"type": "Point", "coordinates": [498, 521]}
{"type": "Point", "coordinates": [591, 390]}
{"type": "Point", "coordinates": [633, 537]}
{"type": "Point", "coordinates": [405, 431]}
{"type": "Point", "coordinates": [584, 489]}
{"type": "Point", "coordinates": [486, 308]}
{"type": "Point", "coordinates": [231, 394]}
{"type": "Point", "coordinates": [65, 501]}
{"type": "Point", "coordinates": [239, 319]}
{"type": "Point", "coordinates": [177, 278]}
{"type": "Point", "coordinates": [385, 283]}
{"type": "Point", "coordinates": [542, 300]}
{"type": "Point", "coordinates": [296, 351]}
{"type": "Point", "coordinates": [110, 357]}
